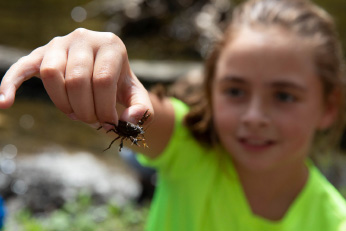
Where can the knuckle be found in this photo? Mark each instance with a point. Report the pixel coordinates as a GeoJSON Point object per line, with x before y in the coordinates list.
{"type": "Point", "coordinates": [77, 74]}
{"type": "Point", "coordinates": [36, 53]}
{"type": "Point", "coordinates": [103, 78]}
{"type": "Point", "coordinates": [55, 41]}
{"type": "Point", "coordinates": [111, 37]}
{"type": "Point", "coordinates": [76, 35]}
{"type": "Point", "coordinates": [49, 72]}
{"type": "Point", "coordinates": [79, 32]}
{"type": "Point", "coordinates": [76, 79]}
{"type": "Point", "coordinates": [83, 59]}
{"type": "Point", "coordinates": [115, 43]}
{"type": "Point", "coordinates": [122, 49]}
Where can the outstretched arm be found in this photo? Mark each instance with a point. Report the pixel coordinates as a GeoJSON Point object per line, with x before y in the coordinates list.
{"type": "Point", "coordinates": [86, 74]}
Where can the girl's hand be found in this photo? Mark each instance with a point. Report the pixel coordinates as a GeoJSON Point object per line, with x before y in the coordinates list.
{"type": "Point", "coordinates": [85, 73]}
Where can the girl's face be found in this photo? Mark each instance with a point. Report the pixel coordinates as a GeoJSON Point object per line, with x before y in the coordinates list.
{"type": "Point", "coordinates": [267, 100]}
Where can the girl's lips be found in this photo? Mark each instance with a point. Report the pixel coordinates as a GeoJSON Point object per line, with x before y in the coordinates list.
{"type": "Point", "coordinates": [256, 144]}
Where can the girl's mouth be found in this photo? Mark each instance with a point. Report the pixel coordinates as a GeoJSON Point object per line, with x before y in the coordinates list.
{"type": "Point", "coordinates": [256, 144]}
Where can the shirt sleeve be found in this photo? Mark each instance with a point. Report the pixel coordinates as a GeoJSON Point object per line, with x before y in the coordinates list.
{"type": "Point", "coordinates": [179, 132]}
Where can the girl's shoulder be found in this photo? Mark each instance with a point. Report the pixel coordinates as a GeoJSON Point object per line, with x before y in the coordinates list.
{"type": "Point", "coordinates": [330, 197]}
{"type": "Point", "coordinates": [321, 202]}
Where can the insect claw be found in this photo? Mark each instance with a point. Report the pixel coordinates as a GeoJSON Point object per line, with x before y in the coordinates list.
{"type": "Point", "coordinates": [144, 117]}
{"type": "Point", "coordinates": [135, 144]}
{"type": "Point", "coordinates": [112, 130]}
{"type": "Point", "coordinates": [135, 141]}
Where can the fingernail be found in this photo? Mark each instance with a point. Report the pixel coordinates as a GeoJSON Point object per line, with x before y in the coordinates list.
{"type": "Point", "coordinates": [2, 97]}
{"type": "Point", "coordinates": [95, 125]}
{"type": "Point", "coordinates": [72, 116]}
{"type": "Point", "coordinates": [107, 127]}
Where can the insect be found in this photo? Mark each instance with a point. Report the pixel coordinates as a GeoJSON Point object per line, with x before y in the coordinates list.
{"type": "Point", "coordinates": [126, 130]}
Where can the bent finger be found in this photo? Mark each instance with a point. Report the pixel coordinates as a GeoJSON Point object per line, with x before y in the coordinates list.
{"type": "Point", "coordinates": [78, 82]}
{"type": "Point", "coordinates": [107, 69]}
{"type": "Point", "coordinates": [52, 74]}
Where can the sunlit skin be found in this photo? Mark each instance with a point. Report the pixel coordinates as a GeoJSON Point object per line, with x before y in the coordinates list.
{"type": "Point", "coordinates": [267, 105]}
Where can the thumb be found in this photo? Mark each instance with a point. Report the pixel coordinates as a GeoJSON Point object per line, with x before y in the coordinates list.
{"type": "Point", "coordinates": [137, 101]}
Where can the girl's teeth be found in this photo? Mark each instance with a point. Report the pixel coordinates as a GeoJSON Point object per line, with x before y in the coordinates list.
{"type": "Point", "coordinates": [256, 142]}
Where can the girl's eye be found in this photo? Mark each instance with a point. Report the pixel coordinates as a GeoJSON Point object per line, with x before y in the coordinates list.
{"type": "Point", "coordinates": [285, 97]}
{"type": "Point", "coordinates": [235, 92]}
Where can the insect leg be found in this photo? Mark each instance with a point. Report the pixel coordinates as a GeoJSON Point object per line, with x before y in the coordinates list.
{"type": "Point", "coordinates": [144, 117]}
{"type": "Point", "coordinates": [144, 144]}
{"type": "Point", "coordinates": [143, 141]}
{"type": "Point", "coordinates": [121, 143]}
{"type": "Point", "coordinates": [110, 145]}
{"type": "Point", "coordinates": [134, 140]}
{"type": "Point", "coordinates": [112, 130]}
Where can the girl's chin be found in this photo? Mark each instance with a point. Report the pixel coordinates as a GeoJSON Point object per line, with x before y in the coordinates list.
{"type": "Point", "coordinates": [255, 162]}
{"type": "Point", "coordinates": [254, 165]}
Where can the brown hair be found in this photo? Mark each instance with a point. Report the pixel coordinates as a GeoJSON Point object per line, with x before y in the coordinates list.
{"type": "Point", "coordinates": [302, 18]}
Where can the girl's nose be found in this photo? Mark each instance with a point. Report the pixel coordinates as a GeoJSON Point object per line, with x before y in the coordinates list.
{"type": "Point", "coordinates": [255, 114]}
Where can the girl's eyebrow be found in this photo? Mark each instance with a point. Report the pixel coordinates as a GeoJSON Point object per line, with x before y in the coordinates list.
{"type": "Point", "coordinates": [283, 84]}
{"type": "Point", "coordinates": [276, 84]}
{"type": "Point", "coordinates": [288, 84]}
{"type": "Point", "coordinates": [232, 78]}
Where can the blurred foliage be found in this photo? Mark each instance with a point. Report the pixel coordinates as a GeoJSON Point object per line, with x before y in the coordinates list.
{"type": "Point", "coordinates": [82, 215]}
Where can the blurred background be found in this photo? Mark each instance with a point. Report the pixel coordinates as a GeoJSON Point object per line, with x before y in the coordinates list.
{"type": "Point", "coordinates": [53, 173]}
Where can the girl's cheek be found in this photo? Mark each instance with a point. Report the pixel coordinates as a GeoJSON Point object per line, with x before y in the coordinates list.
{"type": "Point", "coordinates": [224, 119]}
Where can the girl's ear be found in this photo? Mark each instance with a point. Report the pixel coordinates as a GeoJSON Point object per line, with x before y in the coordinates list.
{"type": "Point", "coordinates": [331, 109]}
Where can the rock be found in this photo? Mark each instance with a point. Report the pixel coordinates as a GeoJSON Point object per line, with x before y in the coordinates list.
{"type": "Point", "coordinates": [44, 182]}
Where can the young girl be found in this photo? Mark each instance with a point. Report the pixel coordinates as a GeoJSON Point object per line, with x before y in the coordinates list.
{"type": "Point", "coordinates": [238, 158]}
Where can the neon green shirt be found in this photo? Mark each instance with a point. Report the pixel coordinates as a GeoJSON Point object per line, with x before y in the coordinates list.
{"type": "Point", "coordinates": [198, 189]}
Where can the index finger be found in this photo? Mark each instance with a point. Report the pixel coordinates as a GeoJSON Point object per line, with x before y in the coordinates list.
{"type": "Point", "coordinates": [24, 69]}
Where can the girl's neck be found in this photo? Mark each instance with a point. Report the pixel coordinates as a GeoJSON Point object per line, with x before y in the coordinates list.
{"type": "Point", "coordinates": [271, 193]}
